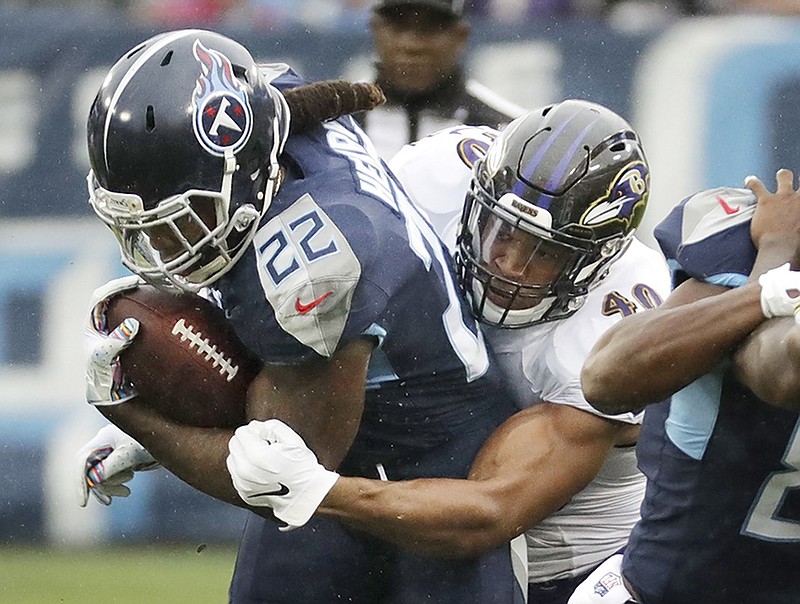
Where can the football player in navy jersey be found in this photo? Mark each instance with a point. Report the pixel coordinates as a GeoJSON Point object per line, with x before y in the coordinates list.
{"type": "Point", "coordinates": [321, 264]}
{"type": "Point", "coordinates": [721, 516]}
{"type": "Point", "coordinates": [547, 256]}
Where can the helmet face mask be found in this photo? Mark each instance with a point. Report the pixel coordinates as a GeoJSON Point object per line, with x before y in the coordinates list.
{"type": "Point", "coordinates": [171, 244]}
{"type": "Point", "coordinates": [552, 205]}
{"type": "Point", "coordinates": [184, 137]}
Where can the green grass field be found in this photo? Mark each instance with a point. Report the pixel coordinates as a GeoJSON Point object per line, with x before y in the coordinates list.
{"type": "Point", "coordinates": [173, 574]}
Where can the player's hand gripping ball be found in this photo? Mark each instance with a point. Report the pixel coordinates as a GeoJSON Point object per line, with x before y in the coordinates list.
{"type": "Point", "coordinates": [185, 362]}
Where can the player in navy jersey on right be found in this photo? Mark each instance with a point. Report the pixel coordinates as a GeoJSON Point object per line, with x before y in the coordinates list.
{"type": "Point", "coordinates": [721, 516]}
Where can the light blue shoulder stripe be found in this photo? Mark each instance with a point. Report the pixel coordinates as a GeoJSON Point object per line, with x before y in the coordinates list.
{"type": "Point", "coordinates": [379, 370]}
{"type": "Point", "coordinates": [693, 413]}
{"type": "Point", "coordinates": [728, 279]}
{"type": "Point", "coordinates": [377, 331]}
{"type": "Point", "coordinates": [724, 279]}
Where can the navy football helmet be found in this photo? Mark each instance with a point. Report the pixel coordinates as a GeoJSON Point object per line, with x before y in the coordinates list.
{"type": "Point", "coordinates": [551, 206]}
{"type": "Point", "coordinates": [184, 137]}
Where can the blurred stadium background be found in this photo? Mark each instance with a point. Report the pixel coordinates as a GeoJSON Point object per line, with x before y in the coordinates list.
{"type": "Point", "coordinates": [715, 98]}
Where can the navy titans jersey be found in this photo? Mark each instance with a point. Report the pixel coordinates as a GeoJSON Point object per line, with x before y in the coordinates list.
{"type": "Point", "coordinates": [721, 515]}
{"type": "Point", "coordinates": [342, 253]}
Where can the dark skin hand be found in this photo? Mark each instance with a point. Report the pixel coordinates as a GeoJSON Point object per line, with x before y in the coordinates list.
{"type": "Point", "coordinates": [768, 361]}
{"type": "Point", "coordinates": [322, 400]}
{"type": "Point", "coordinates": [699, 325]}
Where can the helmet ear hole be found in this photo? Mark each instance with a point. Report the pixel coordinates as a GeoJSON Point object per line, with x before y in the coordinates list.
{"type": "Point", "coordinates": [135, 51]}
{"type": "Point", "coordinates": [610, 248]}
{"type": "Point", "coordinates": [150, 119]}
{"type": "Point", "coordinates": [167, 58]}
{"type": "Point", "coordinates": [241, 72]}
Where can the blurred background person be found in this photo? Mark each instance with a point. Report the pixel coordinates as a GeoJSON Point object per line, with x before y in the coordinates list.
{"type": "Point", "coordinates": [775, 7]}
{"type": "Point", "coordinates": [420, 47]}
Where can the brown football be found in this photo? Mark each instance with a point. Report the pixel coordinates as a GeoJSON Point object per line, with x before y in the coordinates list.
{"type": "Point", "coordinates": [186, 362]}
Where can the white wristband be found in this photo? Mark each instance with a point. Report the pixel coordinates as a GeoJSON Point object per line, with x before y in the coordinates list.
{"type": "Point", "coordinates": [777, 287]}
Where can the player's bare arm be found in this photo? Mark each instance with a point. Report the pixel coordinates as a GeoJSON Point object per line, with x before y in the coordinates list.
{"type": "Point", "coordinates": [768, 362]}
{"type": "Point", "coordinates": [665, 339]}
{"type": "Point", "coordinates": [530, 467]}
{"type": "Point", "coordinates": [322, 400]}
{"type": "Point", "coordinates": [775, 228]}
{"type": "Point", "coordinates": [662, 344]}
{"type": "Point", "coordinates": [195, 455]}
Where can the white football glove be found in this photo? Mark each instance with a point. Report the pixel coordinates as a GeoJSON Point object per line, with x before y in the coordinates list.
{"type": "Point", "coordinates": [271, 466]}
{"type": "Point", "coordinates": [777, 287]}
{"type": "Point", "coordinates": [107, 462]}
{"type": "Point", "coordinates": [603, 585]}
{"type": "Point", "coordinates": [105, 383]}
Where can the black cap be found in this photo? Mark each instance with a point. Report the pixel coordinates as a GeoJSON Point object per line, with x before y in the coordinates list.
{"type": "Point", "coordinates": [453, 9]}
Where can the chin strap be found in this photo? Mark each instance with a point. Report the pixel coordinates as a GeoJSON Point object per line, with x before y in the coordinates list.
{"type": "Point", "coordinates": [243, 218]}
{"type": "Point", "coordinates": [280, 132]}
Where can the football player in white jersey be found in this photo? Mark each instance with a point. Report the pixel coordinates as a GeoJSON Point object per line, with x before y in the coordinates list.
{"type": "Point", "coordinates": [545, 253]}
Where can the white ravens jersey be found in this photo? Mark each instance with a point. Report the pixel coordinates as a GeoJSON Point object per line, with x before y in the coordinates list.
{"type": "Point", "coordinates": [543, 362]}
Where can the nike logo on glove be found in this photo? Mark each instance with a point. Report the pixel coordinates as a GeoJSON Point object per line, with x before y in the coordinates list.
{"type": "Point", "coordinates": [283, 490]}
{"type": "Point", "coordinates": [305, 308]}
{"type": "Point", "coordinates": [728, 209]}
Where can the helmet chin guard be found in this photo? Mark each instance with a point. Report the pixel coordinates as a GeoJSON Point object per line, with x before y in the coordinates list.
{"type": "Point", "coordinates": [494, 314]}
{"type": "Point", "coordinates": [184, 138]}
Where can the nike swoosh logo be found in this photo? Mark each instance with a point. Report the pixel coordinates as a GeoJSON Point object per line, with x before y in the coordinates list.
{"type": "Point", "coordinates": [305, 308]}
{"type": "Point", "coordinates": [284, 490]}
{"type": "Point", "coordinates": [728, 209]}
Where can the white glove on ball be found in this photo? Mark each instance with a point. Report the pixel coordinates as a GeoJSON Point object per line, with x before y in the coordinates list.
{"type": "Point", "coordinates": [776, 285]}
{"type": "Point", "coordinates": [105, 383]}
{"type": "Point", "coordinates": [271, 466]}
{"type": "Point", "coordinates": [107, 462]}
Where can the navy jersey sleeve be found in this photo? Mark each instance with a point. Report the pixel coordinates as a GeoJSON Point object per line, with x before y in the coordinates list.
{"type": "Point", "coordinates": [707, 237]}
{"type": "Point", "coordinates": [312, 282]}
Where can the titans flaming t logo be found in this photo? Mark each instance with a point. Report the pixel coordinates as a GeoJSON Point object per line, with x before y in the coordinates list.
{"type": "Point", "coordinates": [626, 195]}
{"type": "Point", "coordinates": [223, 119]}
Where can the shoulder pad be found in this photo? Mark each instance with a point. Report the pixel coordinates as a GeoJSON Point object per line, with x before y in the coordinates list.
{"type": "Point", "coordinates": [308, 272]}
{"type": "Point", "coordinates": [707, 237]}
{"type": "Point", "coordinates": [436, 171]}
{"type": "Point", "coordinates": [281, 75]}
